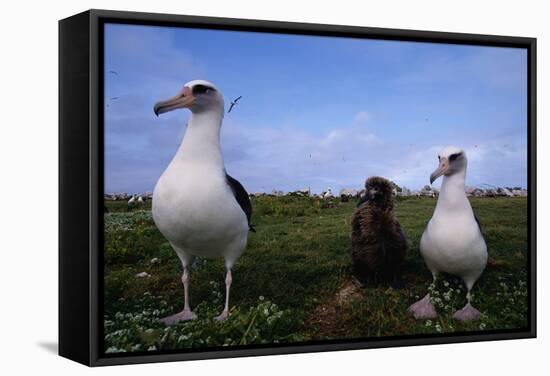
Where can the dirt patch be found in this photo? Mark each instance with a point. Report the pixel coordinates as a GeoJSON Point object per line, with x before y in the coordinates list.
{"type": "Point", "coordinates": [493, 263]}
{"type": "Point", "coordinates": [349, 292]}
{"type": "Point", "coordinates": [333, 318]}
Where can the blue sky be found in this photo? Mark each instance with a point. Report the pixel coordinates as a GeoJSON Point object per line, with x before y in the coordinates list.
{"type": "Point", "coordinates": [316, 111]}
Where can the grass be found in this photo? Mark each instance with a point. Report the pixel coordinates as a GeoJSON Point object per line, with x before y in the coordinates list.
{"type": "Point", "coordinates": [293, 283]}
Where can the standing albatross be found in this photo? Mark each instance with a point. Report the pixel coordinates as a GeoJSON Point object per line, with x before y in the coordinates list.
{"type": "Point", "coordinates": [197, 206]}
{"type": "Point", "coordinates": [452, 242]}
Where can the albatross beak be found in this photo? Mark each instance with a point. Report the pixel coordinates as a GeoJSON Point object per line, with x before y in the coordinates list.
{"type": "Point", "coordinates": [183, 99]}
{"type": "Point", "coordinates": [441, 169]}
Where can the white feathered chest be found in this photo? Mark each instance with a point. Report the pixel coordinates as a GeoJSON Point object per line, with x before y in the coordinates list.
{"type": "Point", "coordinates": [453, 242]}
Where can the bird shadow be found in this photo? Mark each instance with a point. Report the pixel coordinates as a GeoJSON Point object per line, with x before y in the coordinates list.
{"type": "Point", "coordinates": [51, 347]}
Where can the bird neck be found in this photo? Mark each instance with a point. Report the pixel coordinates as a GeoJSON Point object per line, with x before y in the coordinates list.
{"type": "Point", "coordinates": [201, 142]}
{"type": "Point", "coordinates": [452, 195]}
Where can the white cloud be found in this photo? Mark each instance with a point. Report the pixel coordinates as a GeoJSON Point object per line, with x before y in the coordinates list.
{"type": "Point", "coordinates": [361, 118]}
{"type": "Point", "coordinates": [294, 154]}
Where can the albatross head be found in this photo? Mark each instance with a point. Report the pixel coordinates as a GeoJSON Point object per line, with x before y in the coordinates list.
{"type": "Point", "coordinates": [198, 96]}
{"type": "Point", "coordinates": [451, 161]}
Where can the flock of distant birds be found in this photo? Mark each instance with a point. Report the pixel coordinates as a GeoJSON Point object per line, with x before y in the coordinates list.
{"type": "Point", "coordinates": [345, 194]}
{"type": "Point", "coordinates": [204, 212]}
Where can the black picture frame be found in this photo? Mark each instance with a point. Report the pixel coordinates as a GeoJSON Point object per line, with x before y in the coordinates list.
{"type": "Point", "coordinates": [81, 182]}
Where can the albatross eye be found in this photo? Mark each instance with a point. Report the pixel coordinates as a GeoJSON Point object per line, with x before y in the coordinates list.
{"type": "Point", "coordinates": [454, 156]}
{"type": "Point", "coordinates": [201, 89]}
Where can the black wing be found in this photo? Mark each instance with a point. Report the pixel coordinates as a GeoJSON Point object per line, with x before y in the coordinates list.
{"type": "Point", "coordinates": [242, 198]}
{"type": "Point", "coordinates": [230, 108]}
{"type": "Point", "coordinates": [478, 223]}
{"type": "Point", "coordinates": [236, 99]}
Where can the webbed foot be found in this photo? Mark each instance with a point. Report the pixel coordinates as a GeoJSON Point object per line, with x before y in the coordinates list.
{"type": "Point", "coordinates": [184, 315]}
{"type": "Point", "coordinates": [468, 313]}
{"type": "Point", "coordinates": [423, 309]}
{"type": "Point", "coordinates": [222, 316]}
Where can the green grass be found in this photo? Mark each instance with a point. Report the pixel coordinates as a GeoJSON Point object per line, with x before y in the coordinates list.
{"type": "Point", "coordinates": [293, 283]}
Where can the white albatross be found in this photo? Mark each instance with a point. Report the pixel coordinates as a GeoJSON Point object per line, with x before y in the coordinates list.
{"type": "Point", "coordinates": [452, 242]}
{"type": "Point", "coordinates": [197, 206]}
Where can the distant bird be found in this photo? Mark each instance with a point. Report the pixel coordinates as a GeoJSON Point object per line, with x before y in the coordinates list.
{"type": "Point", "coordinates": [132, 200]}
{"type": "Point", "coordinates": [327, 193]}
{"type": "Point", "coordinates": [113, 98]}
{"type": "Point", "coordinates": [234, 103]}
{"type": "Point", "coordinates": [378, 244]}
{"type": "Point", "coordinates": [197, 206]}
{"type": "Point", "coordinates": [452, 242]}
{"type": "Point", "coordinates": [113, 72]}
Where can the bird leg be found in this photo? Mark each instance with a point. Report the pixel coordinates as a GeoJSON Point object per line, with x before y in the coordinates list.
{"type": "Point", "coordinates": [225, 312]}
{"type": "Point", "coordinates": [468, 312]}
{"type": "Point", "coordinates": [424, 309]}
{"type": "Point", "coordinates": [186, 314]}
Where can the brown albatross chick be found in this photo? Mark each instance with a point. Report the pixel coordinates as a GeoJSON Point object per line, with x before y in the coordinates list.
{"type": "Point", "coordinates": [378, 244]}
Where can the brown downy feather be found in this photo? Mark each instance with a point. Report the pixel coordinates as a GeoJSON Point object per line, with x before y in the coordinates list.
{"type": "Point", "coordinates": [379, 245]}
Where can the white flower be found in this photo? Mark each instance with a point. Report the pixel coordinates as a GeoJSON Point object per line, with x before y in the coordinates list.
{"type": "Point", "coordinates": [428, 323]}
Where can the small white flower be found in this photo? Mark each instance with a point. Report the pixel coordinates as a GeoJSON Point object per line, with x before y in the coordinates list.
{"type": "Point", "coordinates": [428, 323]}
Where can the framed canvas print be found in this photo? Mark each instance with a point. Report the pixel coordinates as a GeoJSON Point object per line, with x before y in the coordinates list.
{"type": "Point", "coordinates": [237, 187]}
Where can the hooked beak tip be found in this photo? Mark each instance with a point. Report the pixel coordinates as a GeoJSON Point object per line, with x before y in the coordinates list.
{"type": "Point", "coordinates": [441, 170]}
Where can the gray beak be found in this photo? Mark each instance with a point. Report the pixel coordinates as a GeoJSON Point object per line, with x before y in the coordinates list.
{"type": "Point", "coordinates": [441, 170]}
{"type": "Point", "coordinates": [183, 99]}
